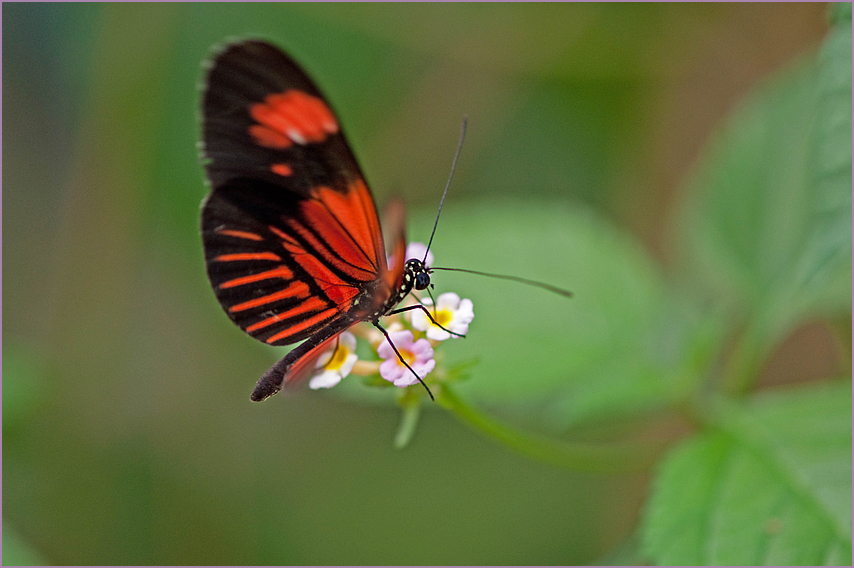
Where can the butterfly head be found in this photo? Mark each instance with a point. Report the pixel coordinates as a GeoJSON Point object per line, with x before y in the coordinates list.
{"type": "Point", "coordinates": [418, 273]}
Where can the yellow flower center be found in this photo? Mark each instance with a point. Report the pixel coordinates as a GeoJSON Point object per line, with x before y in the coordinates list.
{"type": "Point", "coordinates": [443, 317]}
{"type": "Point", "coordinates": [407, 355]}
{"type": "Point", "coordinates": [338, 358]}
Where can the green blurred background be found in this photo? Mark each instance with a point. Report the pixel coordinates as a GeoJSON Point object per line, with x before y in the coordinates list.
{"type": "Point", "coordinates": [128, 435]}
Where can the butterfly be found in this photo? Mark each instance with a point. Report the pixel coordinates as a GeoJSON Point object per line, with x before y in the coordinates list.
{"type": "Point", "coordinates": [293, 245]}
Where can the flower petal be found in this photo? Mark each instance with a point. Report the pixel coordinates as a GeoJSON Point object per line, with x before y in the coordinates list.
{"type": "Point", "coordinates": [325, 380]}
{"type": "Point", "coordinates": [447, 301]}
{"type": "Point", "coordinates": [392, 370]}
{"type": "Point", "coordinates": [348, 365]}
{"type": "Point", "coordinates": [422, 350]}
{"type": "Point", "coordinates": [402, 340]}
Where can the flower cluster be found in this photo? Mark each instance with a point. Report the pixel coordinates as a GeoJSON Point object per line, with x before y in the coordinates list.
{"type": "Point", "coordinates": [413, 334]}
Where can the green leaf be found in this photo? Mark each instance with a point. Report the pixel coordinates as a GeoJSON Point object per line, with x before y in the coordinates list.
{"type": "Point", "coordinates": [829, 246]}
{"type": "Point", "coordinates": [769, 484]}
{"type": "Point", "coordinates": [620, 344]}
{"type": "Point", "coordinates": [751, 205]}
{"type": "Point", "coordinates": [765, 226]}
{"type": "Point", "coordinates": [839, 12]}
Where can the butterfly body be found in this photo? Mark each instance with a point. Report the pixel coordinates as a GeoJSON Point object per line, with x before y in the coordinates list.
{"type": "Point", "coordinates": [292, 239]}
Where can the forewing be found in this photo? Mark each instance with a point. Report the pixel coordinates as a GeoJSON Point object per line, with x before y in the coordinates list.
{"type": "Point", "coordinates": [290, 229]}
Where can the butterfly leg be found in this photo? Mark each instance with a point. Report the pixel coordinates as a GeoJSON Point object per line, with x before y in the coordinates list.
{"type": "Point", "coordinates": [399, 356]}
{"type": "Point", "coordinates": [426, 311]}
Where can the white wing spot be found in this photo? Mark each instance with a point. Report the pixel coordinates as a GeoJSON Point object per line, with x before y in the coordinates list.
{"type": "Point", "coordinates": [295, 135]}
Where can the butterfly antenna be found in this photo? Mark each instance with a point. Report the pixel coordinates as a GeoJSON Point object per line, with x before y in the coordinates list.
{"type": "Point", "coordinates": [447, 185]}
{"type": "Point", "coordinates": [543, 285]}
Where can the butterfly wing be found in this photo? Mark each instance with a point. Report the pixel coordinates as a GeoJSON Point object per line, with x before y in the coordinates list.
{"type": "Point", "coordinates": [280, 266]}
{"type": "Point", "coordinates": [394, 231]}
{"type": "Point", "coordinates": [292, 242]}
{"type": "Point", "coordinates": [299, 364]}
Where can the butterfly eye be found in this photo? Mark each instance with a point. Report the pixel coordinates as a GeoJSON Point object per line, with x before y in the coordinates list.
{"type": "Point", "coordinates": [422, 280]}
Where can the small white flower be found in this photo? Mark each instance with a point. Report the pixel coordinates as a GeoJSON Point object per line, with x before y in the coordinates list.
{"type": "Point", "coordinates": [335, 363]}
{"type": "Point", "coordinates": [451, 312]}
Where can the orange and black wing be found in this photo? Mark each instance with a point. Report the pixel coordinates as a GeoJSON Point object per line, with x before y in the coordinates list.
{"type": "Point", "coordinates": [290, 230]}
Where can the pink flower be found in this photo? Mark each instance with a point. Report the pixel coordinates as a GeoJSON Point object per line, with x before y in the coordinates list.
{"type": "Point", "coordinates": [418, 354]}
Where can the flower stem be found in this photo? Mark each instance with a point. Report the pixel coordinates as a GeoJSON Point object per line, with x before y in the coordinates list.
{"type": "Point", "coordinates": [571, 455]}
{"type": "Point", "coordinates": [408, 422]}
